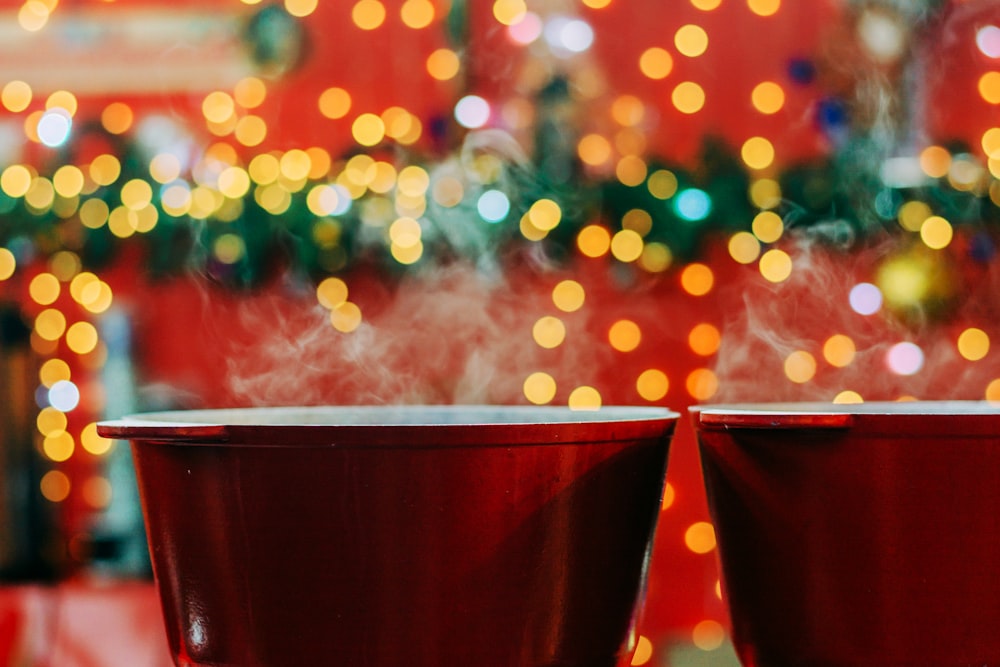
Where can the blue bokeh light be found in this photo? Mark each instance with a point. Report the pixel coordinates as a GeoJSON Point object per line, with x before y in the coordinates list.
{"type": "Point", "coordinates": [692, 204]}
{"type": "Point", "coordinates": [493, 206]}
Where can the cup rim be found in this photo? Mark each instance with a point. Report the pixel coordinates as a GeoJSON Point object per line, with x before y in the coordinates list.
{"type": "Point", "coordinates": [415, 425]}
{"type": "Point", "coordinates": [960, 414]}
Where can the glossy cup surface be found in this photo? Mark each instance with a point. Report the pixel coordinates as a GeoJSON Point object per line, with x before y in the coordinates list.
{"type": "Point", "coordinates": [857, 535]}
{"type": "Point", "coordinates": [386, 536]}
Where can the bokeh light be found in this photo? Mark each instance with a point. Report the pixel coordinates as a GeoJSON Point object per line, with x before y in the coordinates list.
{"type": "Point", "coordinates": [539, 388]}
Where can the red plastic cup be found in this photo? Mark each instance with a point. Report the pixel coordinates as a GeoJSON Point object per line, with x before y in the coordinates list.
{"type": "Point", "coordinates": [857, 535]}
{"type": "Point", "coordinates": [388, 536]}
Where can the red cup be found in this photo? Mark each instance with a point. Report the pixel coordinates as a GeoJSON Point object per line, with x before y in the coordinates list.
{"type": "Point", "coordinates": [387, 536]}
{"type": "Point", "coordinates": [857, 535]}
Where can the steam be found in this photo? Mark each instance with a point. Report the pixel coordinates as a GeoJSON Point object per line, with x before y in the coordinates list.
{"type": "Point", "coordinates": [448, 335]}
{"type": "Point", "coordinates": [897, 356]}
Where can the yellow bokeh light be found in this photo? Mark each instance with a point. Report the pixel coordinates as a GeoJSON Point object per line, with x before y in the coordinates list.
{"type": "Point", "coordinates": [443, 64]}
{"type": "Point", "coordinates": [624, 335]}
{"type": "Point", "coordinates": [8, 263]}
{"type": "Point", "coordinates": [545, 214]}
{"type": "Point", "coordinates": [700, 537]}
{"type": "Point", "coordinates": [105, 169]}
{"type": "Point", "coordinates": [413, 181]}
{"type": "Point", "coordinates": [94, 443]}
{"type": "Point", "coordinates": [16, 96]}
{"type": "Point", "coordinates": [631, 170]}
{"type": "Point", "coordinates": [346, 317]}
{"type": "Point", "coordinates": [935, 161]}
{"type": "Point", "coordinates": [973, 344]}
{"type": "Point", "coordinates": [775, 265]}
{"type": "Point", "coordinates": [44, 289]}
{"type": "Point", "coordinates": [568, 296]}
{"type": "Point", "coordinates": [300, 8]}
{"type": "Point", "coordinates": [848, 397]}
{"type": "Point", "coordinates": [331, 292]}
{"type": "Point", "coordinates": [549, 332]}
{"type": "Point", "coordinates": [839, 350]}
{"type": "Point", "coordinates": [58, 446]}
{"type": "Point", "coordinates": [264, 169]}
{"type": "Point", "coordinates": [234, 182]}
{"type": "Point", "coordinates": [68, 181]}
{"type": "Point", "coordinates": [368, 129]}
{"type": "Point", "coordinates": [417, 14]}
{"type": "Point", "coordinates": [662, 184]}
{"type": "Point", "coordinates": [992, 393]}
{"type": "Point", "coordinates": [136, 194]}
{"type": "Point", "coordinates": [584, 398]}
{"type": "Point", "coordinates": [744, 247]}
{"type": "Point", "coordinates": [643, 651]}
{"type": "Point", "coordinates": [55, 486]}
{"type": "Point", "coordinates": [405, 232]}
{"type": "Point", "coordinates": [669, 496]}
{"type": "Point", "coordinates": [697, 279]}
{"type": "Point", "coordinates": [704, 339]}
{"type": "Point", "coordinates": [768, 226]}
{"type": "Point", "coordinates": [594, 149]}
{"type": "Point", "coordinates": [334, 103]}
{"type": "Point", "coordinates": [250, 92]}
{"type": "Point", "coordinates": [218, 107]}
{"type": "Point", "coordinates": [691, 40]}
{"type": "Point", "coordinates": [117, 118]}
{"type": "Point", "coordinates": [701, 384]}
{"type": "Point", "coordinates": [757, 153]}
{"type": "Point", "coordinates": [706, 5]}
{"type": "Point", "coordinates": [50, 420]}
{"type": "Point", "coordinates": [41, 194]}
{"type": "Point", "coordinates": [539, 388]}
{"type": "Point", "coordinates": [33, 15]}
{"type": "Point", "coordinates": [708, 635]}
{"type": "Point", "coordinates": [52, 371]}
{"type": "Point", "coordinates": [936, 232]}
{"type": "Point", "coordinates": [597, 4]}
{"type": "Point", "coordinates": [765, 193]}
{"type": "Point", "coordinates": [96, 492]}
{"type": "Point", "coordinates": [408, 254]}
{"type": "Point", "coordinates": [688, 97]}
{"type": "Point", "coordinates": [912, 215]}
{"type": "Point", "coordinates": [768, 97]}
{"type": "Point", "coordinates": [989, 87]}
{"type": "Point", "coordinates": [16, 180]}
{"type": "Point", "coordinates": [368, 14]}
{"type": "Point", "coordinates": [652, 384]}
{"type": "Point", "coordinates": [81, 337]}
{"type": "Point", "coordinates": [764, 7]}
{"type": "Point", "coordinates": [62, 99]}
{"type": "Point", "coordinates": [628, 110]}
{"type": "Point", "coordinates": [509, 12]}
{"type": "Point", "coordinates": [94, 213]}
{"type": "Point", "coordinates": [990, 142]}
{"type": "Point", "coordinates": [800, 366]}
{"type": "Point", "coordinates": [295, 165]}
{"type": "Point", "coordinates": [594, 241]}
{"type": "Point", "coordinates": [627, 245]}
{"type": "Point", "coordinates": [656, 257]}
{"type": "Point", "coordinates": [250, 130]}
{"type": "Point", "coordinates": [656, 63]}
{"type": "Point", "coordinates": [638, 220]}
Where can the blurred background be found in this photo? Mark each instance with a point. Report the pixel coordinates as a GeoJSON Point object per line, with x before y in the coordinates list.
{"type": "Point", "coordinates": [583, 202]}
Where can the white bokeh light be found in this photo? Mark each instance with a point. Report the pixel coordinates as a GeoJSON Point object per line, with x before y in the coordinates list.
{"type": "Point", "coordinates": [493, 206]}
{"type": "Point", "coordinates": [64, 396]}
{"type": "Point", "coordinates": [54, 127]}
{"type": "Point", "coordinates": [904, 358]}
{"type": "Point", "coordinates": [568, 35]}
{"type": "Point", "coordinates": [527, 30]}
{"type": "Point", "coordinates": [866, 299]}
{"type": "Point", "coordinates": [472, 111]}
{"type": "Point", "coordinates": [988, 41]}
